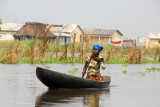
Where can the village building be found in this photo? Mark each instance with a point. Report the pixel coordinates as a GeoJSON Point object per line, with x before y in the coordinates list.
{"type": "Point", "coordinates": [32, 29]}
{"type": "Point", "coordinates": [67, 32]}
{"type": "Point", "coordinates": [103, 36]}
{"type": "Point", "coordinates": [153, 40]}
{"type": "Point", "coordinates": [129, 43]}
{"type": "Point", "coordinates": [8, 30]}
{"type": "Point", "coordinates": [63, 38]}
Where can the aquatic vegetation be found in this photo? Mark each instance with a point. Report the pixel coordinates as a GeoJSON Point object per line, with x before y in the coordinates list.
{"type": "Point", "coordinates": [47, 67]}
{"type": "Point", "coordinates": [142, 73]}
{"type": "Point", "coordinates": [148, 70]}
{"type": "Point", "coordinates": [69, 71]}
{"type": "Point", "coordinates": [152, 69]}
{"type": "Point", "coordinates": [124, 65]}
{"type": "Point", "coordinates": [73, 71]}
{"type": "Point", "coordinates": [124, 71]}
{"type": "Point", "coordinates": [41, 51]}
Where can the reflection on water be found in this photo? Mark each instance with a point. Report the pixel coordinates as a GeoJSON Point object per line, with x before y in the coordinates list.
{"type": "Point", "coordinates": [89, 97]}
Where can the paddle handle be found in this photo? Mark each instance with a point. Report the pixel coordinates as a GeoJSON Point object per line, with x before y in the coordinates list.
{"type": "Point", "coordinates": [84, 71]}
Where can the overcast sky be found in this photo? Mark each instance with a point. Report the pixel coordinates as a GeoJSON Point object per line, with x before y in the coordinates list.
{"type": "Point", "coordinates": [132, 18]}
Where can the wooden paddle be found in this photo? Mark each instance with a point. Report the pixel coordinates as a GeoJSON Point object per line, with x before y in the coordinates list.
{"type": "Point", "coordinates": [86, 66]}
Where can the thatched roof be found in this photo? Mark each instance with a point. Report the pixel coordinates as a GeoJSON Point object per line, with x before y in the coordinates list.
{"type": "Point", "coordinates": [33, 28]}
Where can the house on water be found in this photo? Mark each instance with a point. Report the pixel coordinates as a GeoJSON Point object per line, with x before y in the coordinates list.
{"type": "Point", "coordinates": [32, 29]}
{"type": "Point", "coordinates": [153, 40]}
{"type": "Point", "coordinates": [8, 30]}
{"type": "Point", "coordinates": [103, 36]}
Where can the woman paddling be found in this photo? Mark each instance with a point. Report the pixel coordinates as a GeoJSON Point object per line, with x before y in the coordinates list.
{"type": "Point", "coordinates": [93, 63]}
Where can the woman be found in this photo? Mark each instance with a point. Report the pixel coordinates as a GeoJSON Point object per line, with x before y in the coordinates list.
{"type": "Point", "coordinates": [93, 63]}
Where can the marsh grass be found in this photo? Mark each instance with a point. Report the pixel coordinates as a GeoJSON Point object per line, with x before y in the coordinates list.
{"type": "Point", "coordinates": [42, 51]}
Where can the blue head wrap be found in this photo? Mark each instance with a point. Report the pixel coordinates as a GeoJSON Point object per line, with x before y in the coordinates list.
{"type": "Point", "coordinates": [98, 47]}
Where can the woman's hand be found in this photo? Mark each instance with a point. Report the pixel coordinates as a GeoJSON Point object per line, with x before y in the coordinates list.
{"type": "Point", "coordinates": [92, 56]}
{"type": "Point", "coordinates": [98, 59]}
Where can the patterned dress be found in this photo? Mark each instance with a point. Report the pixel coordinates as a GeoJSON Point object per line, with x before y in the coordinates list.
{"type": "Point", "coordinates": [94, 70]}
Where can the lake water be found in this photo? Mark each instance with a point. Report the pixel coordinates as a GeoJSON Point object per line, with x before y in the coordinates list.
{"type": "Point", "coordinates": [19, 87]}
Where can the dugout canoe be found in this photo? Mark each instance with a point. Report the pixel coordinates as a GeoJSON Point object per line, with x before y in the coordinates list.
{"type": "Point", "coordinates": [53, 79]}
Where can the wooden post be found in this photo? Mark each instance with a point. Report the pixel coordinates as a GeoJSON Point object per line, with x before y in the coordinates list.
{"type": "Point", "coordinates": [82, 48]}
{"type": "Point", "coordinates": [81, 53]}
{"type": "Point", "coordinates": [65, 40]}
{"type": "Point", "coordinates": [57, 39]}
{"type": "Point", "coordinates": [73, 47]}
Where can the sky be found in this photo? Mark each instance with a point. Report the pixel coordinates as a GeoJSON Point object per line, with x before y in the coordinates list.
{"type": "Point", "coordinates": [133, 18]}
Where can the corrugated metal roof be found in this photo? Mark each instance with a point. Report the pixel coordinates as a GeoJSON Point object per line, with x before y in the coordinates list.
{"type": "Point", "coordinates": [154, 35]}
{"type": "Point", "coordinates": [66, 28]}
{"type": "Point", "coordinates": [62, 34]}
{"type": "Point", "coordinates": [6, 26]}
{"type": "Point", "coordinates": [100, 32]}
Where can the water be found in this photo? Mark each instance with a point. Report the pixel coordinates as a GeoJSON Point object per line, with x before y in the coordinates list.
{"type": "Point", "coordinates": [19, 87]}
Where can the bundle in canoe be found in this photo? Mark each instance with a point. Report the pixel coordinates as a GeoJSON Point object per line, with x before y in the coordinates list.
{"type": "Point", "coordinates": [53, 79]}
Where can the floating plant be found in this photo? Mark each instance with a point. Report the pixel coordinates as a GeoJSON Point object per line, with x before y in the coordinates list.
{"type": "Point", "coordinates": [124, 65]}
{"type": "Point", "coordinates": [153, 69]}
{"type": "Point", "coordinates": [47, 67]}
{"type": "Point", "coordinates": [148, 70]}
{"type": "Point", "coordinates": [142, 73]}
{"type": "Point", "coordinates": [73, 71]}
{"type": "Point", "coordinates": [124, 71]}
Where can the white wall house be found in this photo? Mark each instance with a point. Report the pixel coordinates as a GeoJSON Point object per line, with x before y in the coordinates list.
{"type": "Point", "coordinates": [153, 40]}
{"type": "Point", "coordinates": [8, 29]}
{"type": "Point", "coordinates": [73, 30]}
